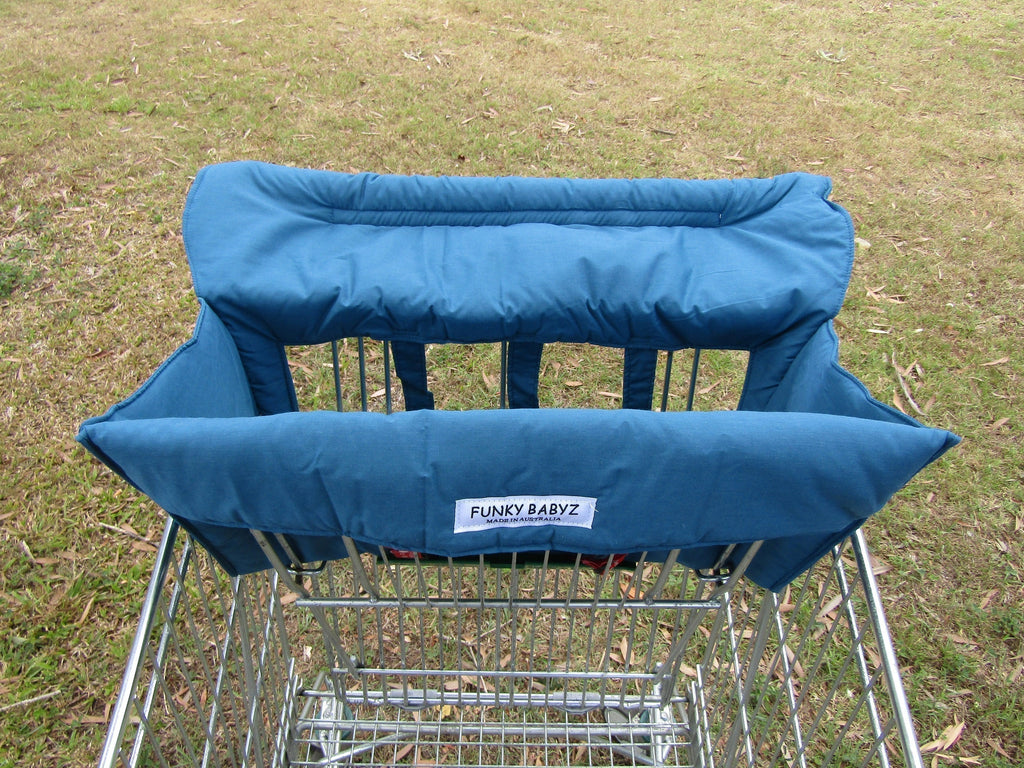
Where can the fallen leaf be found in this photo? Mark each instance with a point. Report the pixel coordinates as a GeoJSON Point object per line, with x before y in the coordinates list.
{"type": "Point", "coordinates": [960, 639]}
{"type": "Point", "coordinates": [630, 591]}
{"type": "Point", "coordinates": [998, 748]}
{"type": "Point", "coordinates": [85, 613]}
{"type": "Point", "coordinates": [946, 740]}
{"type": "Point", "coordinates": [879, 566]}
{"type": "Point", "coordinates": [403, 752]}
{"type": "Point", "coordinates": [796, 668]}
{"type": "Point", "coordinates": [826, 611]}
{"type": "Point", "coordinates": [87, 720]}
{"type": "Point", "coordinates": [626, 650]}
{"type": "Point", "coordinates": [1000, 361]}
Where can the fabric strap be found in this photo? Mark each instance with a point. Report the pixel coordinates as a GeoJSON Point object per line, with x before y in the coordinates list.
{"type": "Point", "coordinates": [411, 367]}
{"type": "Point", "coordinates": [638, 378]}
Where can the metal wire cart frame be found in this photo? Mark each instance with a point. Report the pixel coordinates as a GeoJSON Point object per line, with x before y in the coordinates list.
{"type": "Point", "coordinates": [490, 628]}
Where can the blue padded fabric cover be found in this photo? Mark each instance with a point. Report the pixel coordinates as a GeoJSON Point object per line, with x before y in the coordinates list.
{"type": "Point", "coordinates": [284, 256]}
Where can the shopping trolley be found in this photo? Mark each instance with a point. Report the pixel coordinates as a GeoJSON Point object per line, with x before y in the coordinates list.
{"type": "Point", "coordinates": [681, 580]}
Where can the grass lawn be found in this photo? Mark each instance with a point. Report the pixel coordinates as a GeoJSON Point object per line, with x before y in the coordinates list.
{"type": "Point", "coordinates": [108, 108]}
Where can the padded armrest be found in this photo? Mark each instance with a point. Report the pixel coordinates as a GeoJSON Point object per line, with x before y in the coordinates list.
{"type": "Point", "coordinates": [203, 378]}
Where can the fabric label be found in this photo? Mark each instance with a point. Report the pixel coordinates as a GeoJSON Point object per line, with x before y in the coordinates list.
{"type": "Point", "coordinates": [523, 511]}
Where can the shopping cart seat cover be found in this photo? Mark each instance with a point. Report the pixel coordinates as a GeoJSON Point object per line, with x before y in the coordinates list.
{"type": "Point", "coordinates": [286, 257]}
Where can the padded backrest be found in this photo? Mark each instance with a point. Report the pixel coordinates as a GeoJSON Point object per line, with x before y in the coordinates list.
{"type": "Point", "coordinates": [287, 256]}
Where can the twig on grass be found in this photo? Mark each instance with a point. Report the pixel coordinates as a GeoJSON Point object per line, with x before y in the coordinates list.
{"type": "Point", "coordinates": [126, 532]}
{"type": "Point", "coordinates": [32, 700]}
{"type": "Point", "coordinates": [904, 387]}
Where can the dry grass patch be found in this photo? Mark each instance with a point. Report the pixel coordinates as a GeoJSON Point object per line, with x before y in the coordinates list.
{"type": "Point", "coordinates": [109, 108]}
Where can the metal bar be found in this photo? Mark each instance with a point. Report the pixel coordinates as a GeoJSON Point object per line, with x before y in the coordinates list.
{"type": "Point", "coordinates": [496, 603]}
{"type": "Point", "coordinates": [361, 342]}
{"type": "Point", "coordinates": [330, 635]}
{"type": "Point", "coordinates": [629, 739]}
{"type": "Point", "coordinates": [879, 739]}
{"type": "Point", "coordinates": [225, 606]}
{"type": "Point", "coordinates": [681, 642]}
{"type": "Point", "coordinates": [253, 681]}
{"type": "Point", "coordinates": [187, 663]}
{"type": "Point", "coordinates": [861, 659]}
{"type": "Point", "coordinates": [357, 568]}
{"type": "Point", "coordinates": [836, 676]}
{"type": "Point", "coordinates": [337, 375]}
{"type": "Point", "coordinates": [574, 701]}
{"type": "Point", "coordinates": [876, 614]}
{"type": "Point", "coordinates": [799, 703]}
{"type": "Point", "coordinates": [282, 540]}
{"type": "Point", "coordinates": [668, 379]}
{"type": "Point", "coordinates": [738, 572]}
{"type": "Point", "coordinates": [740, 726]}
{"type": "Point", "coordinates": [133, 671]}
{"type": "Point", "coordinates": [787, 678]}
{"type": "Point", "coordinates": [702, 726]}
{"type": "Point", "coordinates": [524, 730]}
{"type": "Point", "coordinates": [693, 378]}
{"type": "Point", "coordinates": [666, 568]}
{"type": "Point", "coordinates": [170, 613]}
{"type": "Point", "coordinates": [660, 745]}
{"type": "Point", "coordinates": [387, 377]}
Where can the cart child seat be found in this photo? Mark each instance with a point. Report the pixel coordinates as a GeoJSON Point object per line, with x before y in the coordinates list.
{"type": "Point", "coordinates": [283, 257]}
